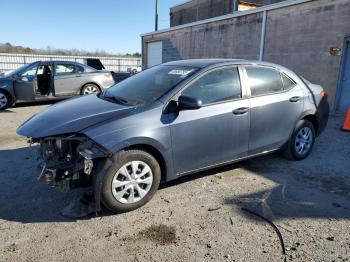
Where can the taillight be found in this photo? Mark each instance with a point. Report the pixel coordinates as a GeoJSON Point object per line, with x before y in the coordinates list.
{"type": "Point", "coordinates": [324, 94]}
{"type": "Point", "coordinates": [108, 75]}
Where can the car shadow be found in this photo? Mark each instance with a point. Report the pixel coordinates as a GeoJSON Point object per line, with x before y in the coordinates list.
{"type": "Point", "coordinates": [299, 191]}
{"type": "Point", "coordinates": [23, 198]}
{"type": "Point", "coordinates": [6, 111]}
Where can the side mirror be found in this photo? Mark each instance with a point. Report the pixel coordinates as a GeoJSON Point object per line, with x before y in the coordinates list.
{"type": "Point", "coordinates": [189, 103]}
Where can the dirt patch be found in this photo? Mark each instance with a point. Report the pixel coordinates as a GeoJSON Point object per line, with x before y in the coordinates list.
{"type": "Point", "coordinates": [158, 234]}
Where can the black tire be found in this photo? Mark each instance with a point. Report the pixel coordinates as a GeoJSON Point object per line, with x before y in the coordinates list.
{"type": "Point", "coordinates": [5, 100]}
{"type": "Point", "coordinates": [291, 150]}
{"type": "Point", "coordinates": [120, 159]}
{"type": "Point", "coordinates": [85, 89]}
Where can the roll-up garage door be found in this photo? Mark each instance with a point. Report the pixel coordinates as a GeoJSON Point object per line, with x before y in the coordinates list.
{"type": "Point", "coordinates": [154, 53]}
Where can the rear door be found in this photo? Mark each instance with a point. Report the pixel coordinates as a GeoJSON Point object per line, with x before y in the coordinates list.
{"type": "Point", "coordinates": [25, 83]}
{"type": "Point", "coordinates": [81, 77]}
{"type": "Point", "coordinates": [65, 78]}
{"type": "Point", "coordinates": [276, 103]}
{"type": "Point", "coordinates": [217, 132]}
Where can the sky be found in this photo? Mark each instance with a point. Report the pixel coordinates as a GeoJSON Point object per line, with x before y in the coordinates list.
{"type": "Point", "coordinates": [110, 25]}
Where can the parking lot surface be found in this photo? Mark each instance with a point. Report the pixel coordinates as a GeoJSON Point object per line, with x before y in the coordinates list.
{"type": "Point", "coordinates": [196, 218]}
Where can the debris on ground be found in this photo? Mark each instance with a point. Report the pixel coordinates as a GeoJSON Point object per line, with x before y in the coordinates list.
{"type": "Point", "coordinates": [331, 238]}
{"type": "Point", "coordinates": [273, 226]}
{"type": "Point", "coordinates": [214, 208]}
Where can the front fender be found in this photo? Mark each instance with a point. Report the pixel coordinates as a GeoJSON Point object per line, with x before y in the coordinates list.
{"type": "Point", "coordinates": [148, 131]}
{"type": "Point", "coordinates": [7, 85]}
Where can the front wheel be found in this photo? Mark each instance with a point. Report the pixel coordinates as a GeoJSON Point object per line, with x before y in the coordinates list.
{"type": "Point", "coordinates": [301, 142]}
{"type": "Point", "coordinates": [5, 100]}
{"type": "Point", "coordinates": [131, 181]}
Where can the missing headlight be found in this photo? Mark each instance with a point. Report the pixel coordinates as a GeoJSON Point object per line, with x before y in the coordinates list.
{"type": "Point", "coordinates": [68, 161]}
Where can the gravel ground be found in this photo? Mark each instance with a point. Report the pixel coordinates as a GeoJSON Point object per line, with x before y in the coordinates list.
{"type": "Point", "coordinates": [196, 218]}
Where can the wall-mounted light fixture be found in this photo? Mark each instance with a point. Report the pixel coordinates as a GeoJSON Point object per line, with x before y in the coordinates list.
{"type": "Point", "coordinates": [335, 51]}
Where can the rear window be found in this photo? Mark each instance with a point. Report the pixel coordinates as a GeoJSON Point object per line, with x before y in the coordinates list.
{"type": "Point", "coordinates": [80, 69]}
{"type": "Point", "coordinates": [264, 80]}
{"type": "Point", "coordinates": [63, 68]}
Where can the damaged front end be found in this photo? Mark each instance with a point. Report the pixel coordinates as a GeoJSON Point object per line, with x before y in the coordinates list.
{"type": "Point", "coordinates": [68, 161]}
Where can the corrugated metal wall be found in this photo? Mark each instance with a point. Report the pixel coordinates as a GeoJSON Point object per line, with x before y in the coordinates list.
{"type": "Point", "coordinates": [117, 64]}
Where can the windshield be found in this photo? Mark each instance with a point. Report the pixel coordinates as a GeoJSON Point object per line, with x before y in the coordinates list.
{"type": "Point", "coordinates": [149, 85]}
{"type": "Point", "coordinates": [15, 71]}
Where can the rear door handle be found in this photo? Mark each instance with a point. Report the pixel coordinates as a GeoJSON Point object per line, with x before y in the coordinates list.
{"type": "Point", "coordinates": [294, 99]}
{"type": "Point", "coordinates": [240, 111]}
{"type": "Point", "coordinates": [78, 76]}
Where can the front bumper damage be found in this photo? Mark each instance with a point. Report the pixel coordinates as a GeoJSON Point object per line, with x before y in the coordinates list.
{"type": "Point", "coordinates": [68, 161]}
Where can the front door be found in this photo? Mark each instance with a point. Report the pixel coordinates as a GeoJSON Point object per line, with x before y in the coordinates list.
{"type": "Point", "coordinates": [217, 132]}
{"type": "Point", "coordinates": [344, 96]}
{"type": "Point", "coordinates": [276, 104]}
{"type": "Point", "coordinates": [25, 83]}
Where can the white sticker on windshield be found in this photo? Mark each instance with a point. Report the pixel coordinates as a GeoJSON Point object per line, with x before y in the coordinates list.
{"type": "Point", "coordinates": [180, 72]}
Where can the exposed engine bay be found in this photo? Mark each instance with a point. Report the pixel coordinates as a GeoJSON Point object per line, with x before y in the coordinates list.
{"type": "Point", "coordinates": [67, 162]}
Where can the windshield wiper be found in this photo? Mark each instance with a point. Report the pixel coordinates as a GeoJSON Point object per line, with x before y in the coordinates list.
{"type": "Point", "coordinates": [117, 99]}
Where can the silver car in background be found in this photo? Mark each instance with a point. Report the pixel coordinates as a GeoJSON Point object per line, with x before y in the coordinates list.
{"type": "Point", "coordinates": [45, 80]}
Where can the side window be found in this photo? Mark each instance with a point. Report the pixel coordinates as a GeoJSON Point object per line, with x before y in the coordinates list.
{"type": "Point", "coordinates": [64, 68]}
{"type": "Point", "coordinates": [287, 82]}
{"type": "Point", "coordinates": [30, 71]}
{"type": "Point", "coordinates": [219, 85]}
{"type": "Point", "coordinates": [80, 69]}
{"type": "Point", "coordinates": [263, 80]}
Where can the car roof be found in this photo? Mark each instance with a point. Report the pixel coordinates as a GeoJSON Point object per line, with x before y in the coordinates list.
{"type": "Point", "coordinates": [57, 61]}
{"type": "Point", "coordinates": [202, 63]}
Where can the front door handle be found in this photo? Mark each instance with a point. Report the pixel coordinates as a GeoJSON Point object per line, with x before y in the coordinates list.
{"type": "Point", "coordinates": [240, 111]}
{"type": "Point", "coordinates": [78, 76]}
{"type": "Point", "coordinates": [294, 99]}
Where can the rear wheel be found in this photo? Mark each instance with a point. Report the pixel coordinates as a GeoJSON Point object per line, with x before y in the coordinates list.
{"type": "Point", "coordinates": [131, 181]}
{"type": "Point", "coordinates": [90, 89]}
{"type": "Point", "coordinates": [5, 100]}
{"type": "Point", "coordinates": [301, 142]}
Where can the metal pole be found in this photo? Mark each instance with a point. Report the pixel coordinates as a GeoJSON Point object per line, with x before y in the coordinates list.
{"type": "Point", "coordinates": [262, 38]}
{"type": "Point", "coordinates": [235, 5]}
{"type": "Point", "coordinates": [156, 24]}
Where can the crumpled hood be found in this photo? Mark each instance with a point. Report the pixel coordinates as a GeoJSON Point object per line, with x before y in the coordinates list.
{"type": "Point", "coordinates": [71, 116]}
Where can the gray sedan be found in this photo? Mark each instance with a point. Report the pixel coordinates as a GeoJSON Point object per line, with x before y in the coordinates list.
{"type": "Point", "coordinates": [175, 119]}
{"type": "Point", "coordinates": [45, 80]}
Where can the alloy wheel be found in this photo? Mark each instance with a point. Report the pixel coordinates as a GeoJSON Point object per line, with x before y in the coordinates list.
{"type": "Point", "coordinates": [132, 182]}
{"type": "Point", "coordinates": [3, 100]}
{"type": "Point", "coordinates": [303, 140]}
{"type": "Point", "coordinates": [90, 89]}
